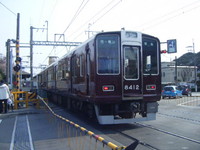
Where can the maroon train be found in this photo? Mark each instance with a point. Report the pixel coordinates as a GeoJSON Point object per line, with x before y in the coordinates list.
{"type": "Point", "coordinates": [114, 76]}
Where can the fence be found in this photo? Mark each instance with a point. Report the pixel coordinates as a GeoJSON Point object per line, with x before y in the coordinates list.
{"type": "Point", "coordinates": [193, 100]}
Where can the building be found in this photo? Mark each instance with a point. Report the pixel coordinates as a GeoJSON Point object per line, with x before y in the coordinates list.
{"type": "Point", "coordinates": [172, 74]}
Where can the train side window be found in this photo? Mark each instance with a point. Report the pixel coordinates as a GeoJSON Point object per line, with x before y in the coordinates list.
{"type": "Point", "coordinates": [81, 66]}
{"type": "Point", "coordinates": [67, 73]}
{"type": "Point", "coordinates": [63, 71]}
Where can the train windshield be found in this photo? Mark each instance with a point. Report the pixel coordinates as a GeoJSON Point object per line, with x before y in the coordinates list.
{"type": "Point", "coordinates": [108, 54]}
{"type": "Point", "coordinates": [131, 65]}
{"type": "Point", "coordinates": [150, 56]}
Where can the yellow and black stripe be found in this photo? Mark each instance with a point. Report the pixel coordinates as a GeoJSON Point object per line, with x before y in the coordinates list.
{"type": "Point", "coordinates": [17, 63]}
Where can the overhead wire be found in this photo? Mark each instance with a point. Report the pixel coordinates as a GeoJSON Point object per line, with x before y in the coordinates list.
{"type": "Point", "coordinates": [8, 9]}
{"type": "Point", "coordinates": [168, 16]}
{"type": "Point", "coordinates": [76, 14]}
{"type": "Point", "coordinates": [98, 13]}
{"type": "Point", "coordinates": [80, 8]}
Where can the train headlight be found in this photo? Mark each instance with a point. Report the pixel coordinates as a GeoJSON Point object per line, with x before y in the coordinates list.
{"type": "Point", "coordinates": [151, 87]}
{"type": "Point", "coordinates": [107, 88]}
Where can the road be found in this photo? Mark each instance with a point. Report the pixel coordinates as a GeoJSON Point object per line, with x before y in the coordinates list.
{"type": "Point", "coordinates": [177, 127]}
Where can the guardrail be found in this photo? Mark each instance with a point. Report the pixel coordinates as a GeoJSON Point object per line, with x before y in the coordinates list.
{"type": "Point", "coordinates": [65, 125]}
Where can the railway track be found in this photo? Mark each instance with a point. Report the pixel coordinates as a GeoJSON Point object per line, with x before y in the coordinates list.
{"type": "Point", "coordinates": [152, 146]}
{"type": "Point", "coordinates": [149, 146]}
{"type": "Point", "coordinates": [127, 134]}
{"type": "Point", "coordinates": [180, 117]}
{"type": "Point", "coordinates": [169, 133]}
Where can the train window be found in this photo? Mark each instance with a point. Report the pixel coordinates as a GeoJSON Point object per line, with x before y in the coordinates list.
{"type": "Point", "coordinates": [108, 54]}
{"type": "Point", "coordinates": [81, 66]}
{"type": "Point", "coordinates": [150, 56]}
{"type": "Point", "coordinates": [131, 65]}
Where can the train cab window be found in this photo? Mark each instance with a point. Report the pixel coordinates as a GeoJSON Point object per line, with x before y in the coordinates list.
{"type": "Point", "coordinates": [108, 54]}
{"type": "Point", "coordinates": [150, 56]}
{"type": "Point", "coordinates": [131, 65]}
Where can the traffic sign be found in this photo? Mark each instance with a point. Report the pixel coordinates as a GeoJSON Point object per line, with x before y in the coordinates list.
{"type": "Point", "coordinates": [171, 46]}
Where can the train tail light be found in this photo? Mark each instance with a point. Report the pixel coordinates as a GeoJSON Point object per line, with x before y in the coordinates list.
{"type": "Point", "coordinates": [106, 88]}
{"type": "Point", "coordinates": [151, 87]}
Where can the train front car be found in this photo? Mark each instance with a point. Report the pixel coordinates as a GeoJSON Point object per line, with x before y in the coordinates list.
{"type": "Point", "coordinates": [127, 77]}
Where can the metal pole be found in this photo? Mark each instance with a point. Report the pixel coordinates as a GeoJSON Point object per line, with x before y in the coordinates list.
{"type": "Point", "coordinates": [31, 55]}
{"type": "Point", "coordinates": [47, 28]}
{"type": "Point", "coordinates": [195, 69]}
{"type": "Point", "coordinates": [17, 54]}
{"type": "Point", "coordinates": [7, 60]}
{"type": "Point", "coordinates": [11, 68]}
{"type": "Point", "coordinates": [175, 76]}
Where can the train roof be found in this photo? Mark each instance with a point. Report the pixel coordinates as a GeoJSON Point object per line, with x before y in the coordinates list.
{"type": "Point", "coordinates": [85, 42]}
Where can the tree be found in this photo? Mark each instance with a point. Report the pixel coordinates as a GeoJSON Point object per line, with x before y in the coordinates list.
{"type": "Point", "coordinates": [2, 68]}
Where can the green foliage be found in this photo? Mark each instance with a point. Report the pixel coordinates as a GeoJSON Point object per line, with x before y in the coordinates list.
{"type": "Point", "coordinates": [2, 75]}
{"type": "Point", "coordinates": [189, 59]}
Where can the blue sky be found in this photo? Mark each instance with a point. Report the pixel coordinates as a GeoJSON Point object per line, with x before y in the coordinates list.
{"type": "Point", "coordinates": [165, 19]}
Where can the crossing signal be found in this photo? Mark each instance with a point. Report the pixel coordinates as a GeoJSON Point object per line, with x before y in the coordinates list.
{"type": "Point", "coordinates": [163, 51]}
{"type": "Point", "coordinates": [17, 68]}
{"type": "Point", "coordinates": [19, 59]}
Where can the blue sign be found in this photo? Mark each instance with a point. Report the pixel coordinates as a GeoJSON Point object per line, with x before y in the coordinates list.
{"type": "Point", "coordinates": [171, 46]}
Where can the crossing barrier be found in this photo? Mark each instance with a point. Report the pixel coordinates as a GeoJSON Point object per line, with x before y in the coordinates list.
{"type": "Point", "coordinates": [79, 138]}
{"type": "Point", "coordinates": [24, 98]}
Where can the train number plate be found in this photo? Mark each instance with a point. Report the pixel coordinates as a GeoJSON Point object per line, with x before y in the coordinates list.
{"type": "Point", "coordinates": [131, 87]}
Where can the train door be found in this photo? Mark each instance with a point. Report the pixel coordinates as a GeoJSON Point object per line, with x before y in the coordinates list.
{"type": "Point", "coordinates": [87, 70]}
{"type": "Point", "coordinates": [132, 84]}
{"type": "Point", "coordinates": [73, 73]}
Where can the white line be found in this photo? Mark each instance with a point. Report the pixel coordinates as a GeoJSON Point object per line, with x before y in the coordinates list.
{"type": "Point", "coordinates": [29, 133]}
{"type": "Point", "coordinates": [13, 135]}
{"type": "Point", "coordinates": [187, 102]}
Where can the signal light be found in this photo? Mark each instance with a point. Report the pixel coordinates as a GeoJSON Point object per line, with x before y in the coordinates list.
{"type": "Point", "coordinates": [17, 68]}
{"type": "Point", "coordinates": [163, 51]}
{"type": "Point", "coordinates": [19, 59]}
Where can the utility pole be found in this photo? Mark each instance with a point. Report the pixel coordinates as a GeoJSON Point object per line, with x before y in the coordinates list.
{"type": "Point", "coordinates": [195, 68]}
{"type": "Point", "coordinates": [46, 43]}
{"type": "Point", "coordinates": [18, 59]}
{"type": "Point", "coordinates": [31, 55]}
{"type": "Point", "coordinates": [8, 61]}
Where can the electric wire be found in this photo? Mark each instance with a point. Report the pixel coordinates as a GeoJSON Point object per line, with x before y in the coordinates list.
{"type": "Point", "coordinates": [8, 9]}
{"type": "Point", "coordinates": [107, 11]}
{"type": "Point", "coordinates": [98, 13]}
{"type": "Point", "coordinates": [76, 14]}
{"type": "Point", "coordinates": [168, 16]}
{"type": "Point", "coordinates": [89, 20]}
{"type": "Point", "coordinates": [81, 7]}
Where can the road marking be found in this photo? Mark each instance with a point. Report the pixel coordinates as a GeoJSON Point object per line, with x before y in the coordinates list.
{"type": "Point", "coordinates": [13, 135]}
{"type": "Point", "coordinates": [29, 133]}
{"type": "Point", "coordinates": [187, 102]}
{"type": "Point", "coordinates": [16, 142]}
